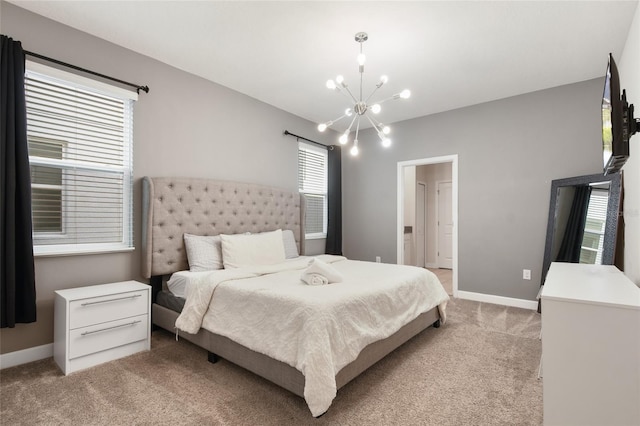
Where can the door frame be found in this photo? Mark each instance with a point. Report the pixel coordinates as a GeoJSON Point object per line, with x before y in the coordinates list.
{"type": "Point", "coordinates": [453, 159]}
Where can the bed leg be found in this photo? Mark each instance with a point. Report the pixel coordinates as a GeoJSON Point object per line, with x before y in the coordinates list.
{"type": "Point", "coordinates": [437, 323]}
{"type": "Point", "coordinates": [213, 358]}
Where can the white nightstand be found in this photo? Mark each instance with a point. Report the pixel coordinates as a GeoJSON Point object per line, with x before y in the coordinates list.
{"type": "Point", "coordinates": [100, 323]}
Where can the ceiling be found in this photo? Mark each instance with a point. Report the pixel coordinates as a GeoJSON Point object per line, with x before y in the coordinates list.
{"type": "Point", "coordinates": [450, 54]}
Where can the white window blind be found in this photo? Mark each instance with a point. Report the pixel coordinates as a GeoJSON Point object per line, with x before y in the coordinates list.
{"type": "Point", "coordinates": [80, 136]}
{"type": "Point", "coordinates": [312, 182]}
{"type": "Point", "coordinates": [593, 237]}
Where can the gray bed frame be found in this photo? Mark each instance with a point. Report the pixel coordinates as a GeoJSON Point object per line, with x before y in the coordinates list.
{"type": "Point", "coordinates": [174, 206]}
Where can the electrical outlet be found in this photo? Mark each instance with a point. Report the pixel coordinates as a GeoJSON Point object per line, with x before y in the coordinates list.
{"type": "Point", "coordinates": [526, 274]}
{"type": "Point", "coordinates": [378, 259]}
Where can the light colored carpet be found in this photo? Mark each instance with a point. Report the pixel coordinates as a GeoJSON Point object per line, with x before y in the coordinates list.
{"type": "Point", "coordinates": [479, 368]}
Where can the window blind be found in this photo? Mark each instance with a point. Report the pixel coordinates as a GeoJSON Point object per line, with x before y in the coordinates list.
{"type": "Point", "coordinates": [312, 182]}
{"type": "Point", "coordinates": [80, 153]}
{"type": "Point", "coordinates": [593, 237]}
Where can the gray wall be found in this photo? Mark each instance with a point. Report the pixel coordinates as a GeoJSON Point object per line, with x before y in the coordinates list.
{"type": "Point", "coordinates": [185, 126]}
{"type": "Point", "coordinates": [509, 152]}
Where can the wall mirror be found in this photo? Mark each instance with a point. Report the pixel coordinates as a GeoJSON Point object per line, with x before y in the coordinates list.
{"type": "Point", "coordinates": [583, 220]}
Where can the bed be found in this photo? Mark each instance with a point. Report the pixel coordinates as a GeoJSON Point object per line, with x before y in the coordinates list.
{"type": "Point", "coordinates": [173, 207]}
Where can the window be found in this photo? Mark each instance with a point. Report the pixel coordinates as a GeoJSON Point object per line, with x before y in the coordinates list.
{"type": "Point", "coordinates": [79, 134]}
{"type": "Point", "coordinates": [312, 182]}
{"type": "Point", "coordinates": [593, 238]}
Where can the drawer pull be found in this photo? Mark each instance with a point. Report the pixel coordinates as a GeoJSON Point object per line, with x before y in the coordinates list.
{"type": "Point", "coordinates": [110, 300]}
{"type": "Point", "coordinates": [110, 328]}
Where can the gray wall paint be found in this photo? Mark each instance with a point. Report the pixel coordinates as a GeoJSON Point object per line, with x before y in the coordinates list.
{"type": "Point", "coordinates": [185, 126]}
{"type": "Point", "coordinates": [509, 152]}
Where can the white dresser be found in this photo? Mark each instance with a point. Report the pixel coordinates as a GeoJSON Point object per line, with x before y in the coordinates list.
{"type": "Point", "coordinates": [590, 346]}
{"type": "Point", "coordinates": [100, 323]}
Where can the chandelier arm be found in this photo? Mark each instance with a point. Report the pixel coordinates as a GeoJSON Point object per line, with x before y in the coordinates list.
{"type": "Point", "coordinates": [332, 122]}
{"type": "Point", "coordinates": [361, 69]}
{"type": "Point", "coordinates": [374, 126]}
{"type": "Point", "coordinates": [346, 95]}
{"type": "Point", "coordinates": [372, 93]}
{"type": "Point", "coordinates": [350, 94]}
{"type": "Point", "coordinates": [352, 121]}
{"type": "Point", "coordinates": [374, 121]}
{"type": "Point", "coordinates": [390, 98]}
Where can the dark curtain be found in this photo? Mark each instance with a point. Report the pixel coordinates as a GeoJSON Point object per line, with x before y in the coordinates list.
{"type": "Point", "coordinates": [574, 232]}
{"type": "Point", "coordinates": [17, 274]}
{"type": "Point", "coordinates": [334, 201]}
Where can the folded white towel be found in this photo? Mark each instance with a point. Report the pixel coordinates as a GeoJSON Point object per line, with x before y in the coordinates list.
{"type": "Point", "coordinates": [319, 269]}
{"type": "Point", "coordinates": [314, 279]}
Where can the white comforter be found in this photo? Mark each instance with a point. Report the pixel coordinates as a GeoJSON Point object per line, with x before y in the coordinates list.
{"type": "Point", "coordinates": [316, 329]}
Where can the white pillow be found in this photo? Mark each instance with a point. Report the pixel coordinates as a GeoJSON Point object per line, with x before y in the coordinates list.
{"type": "Point", "coordinates": [243, 250]}
{"type": "Point", "coordinates": [204, 253]}
{"type": "Point", "coordinates": [290, 247]}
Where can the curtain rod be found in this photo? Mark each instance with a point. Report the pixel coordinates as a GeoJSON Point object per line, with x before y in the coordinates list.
{"type": "Point", "coordinates": [288, 133]}
{"type": "Point", "coordinates": [64, 64]}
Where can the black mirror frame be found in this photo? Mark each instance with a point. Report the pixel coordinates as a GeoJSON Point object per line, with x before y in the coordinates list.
{"type": "Point", "coordinates": [611, 227]}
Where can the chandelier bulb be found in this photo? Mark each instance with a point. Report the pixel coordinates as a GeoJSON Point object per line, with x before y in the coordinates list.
{"type": "Point", "coordinates": [354, 150]}
{"type": "Point", "coordinates": [405, 94]}
{"type": "Point", "coordinates": [348, 112]}
{"type": "Point", "coordinates": [361, 59]}
{"type": "Point", "coordinates": [386, 142]}
{"type": "Point", "coordinates": [322, 127]}
{"type": "Point", "coordinates": [344, 138]}
{"type": "Point", "coordinates": [339, 79]}
{"type": "Point", "coordinates": [375, 108]}
{"type": "Point", "coordinates": [383, 80]}
{"type": "Point", "coordinates": [331, 85]}
{"type": "Point", "coordinates": [386, 130]}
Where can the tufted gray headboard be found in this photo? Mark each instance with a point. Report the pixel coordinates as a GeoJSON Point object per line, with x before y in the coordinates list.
{"type": "Point", "coordinates": [175, 206]}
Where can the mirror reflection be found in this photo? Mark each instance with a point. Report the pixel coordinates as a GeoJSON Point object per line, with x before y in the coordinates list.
{"type": "Point", "coordinates": [583, 220]}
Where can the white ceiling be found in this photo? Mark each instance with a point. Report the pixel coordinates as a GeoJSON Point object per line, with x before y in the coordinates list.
{"type": "Point", "coordinates": [450, 54]}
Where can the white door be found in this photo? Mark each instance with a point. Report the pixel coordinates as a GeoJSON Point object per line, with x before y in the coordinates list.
{"type": "Point", "coordinates": [445, 226]}
{"type": "Point", "coordinates": [421, 218]}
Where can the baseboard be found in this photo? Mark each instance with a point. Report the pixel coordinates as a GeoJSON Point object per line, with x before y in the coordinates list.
{"type": "Point", "coordinates": [11, 359]}
{"type": "Point", "coordinates": [498, 300]}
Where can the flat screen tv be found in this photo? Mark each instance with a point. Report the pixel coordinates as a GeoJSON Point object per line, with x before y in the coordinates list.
{"type": "Point", "coordinates": [618, 123]}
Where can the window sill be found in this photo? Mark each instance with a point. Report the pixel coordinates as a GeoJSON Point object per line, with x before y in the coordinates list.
{"type": "Point", "coordinates": [315, 236]}
{"type": "Point", "coordinates": [76, 250]}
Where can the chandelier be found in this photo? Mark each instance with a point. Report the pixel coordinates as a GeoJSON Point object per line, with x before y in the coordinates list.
{"type": "Point", "coordinates": [361, 106]}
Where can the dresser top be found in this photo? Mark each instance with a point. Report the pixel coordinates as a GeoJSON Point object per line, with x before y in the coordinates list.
{"type": "Point", "coordinates": [594, 284]}
{"type": "Point", "coordinates": [102, 289]}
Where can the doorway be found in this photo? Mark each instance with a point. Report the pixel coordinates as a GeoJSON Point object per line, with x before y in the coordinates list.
{"type": "Point", "coordinates": [409, 185]}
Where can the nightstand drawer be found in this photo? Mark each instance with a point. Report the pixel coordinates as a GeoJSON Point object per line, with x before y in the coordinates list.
{"type": "Point", "coordinates": [96, 310]}
{"type": "Point", "coordinates": [99, 337]}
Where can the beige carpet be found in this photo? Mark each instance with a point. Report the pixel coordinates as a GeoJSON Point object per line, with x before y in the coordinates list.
{"type": "Point", "coordinates": [480, 368]}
